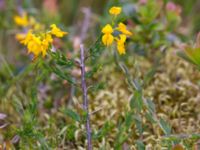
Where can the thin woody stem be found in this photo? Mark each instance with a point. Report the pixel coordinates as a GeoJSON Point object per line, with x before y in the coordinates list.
{"type": "Point", "coordinates": [85, 100]}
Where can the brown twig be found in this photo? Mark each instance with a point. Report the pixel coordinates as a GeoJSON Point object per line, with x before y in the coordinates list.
{"type": "Point", "coordinates": [85, 100]}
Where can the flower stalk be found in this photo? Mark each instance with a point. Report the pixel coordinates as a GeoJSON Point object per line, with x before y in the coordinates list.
{"type": "Point", "coordinates": [85, 100]}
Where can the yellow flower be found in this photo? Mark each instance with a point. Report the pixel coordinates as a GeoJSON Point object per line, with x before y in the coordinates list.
{"type": "Point", "coordinates": [122, 28]}
{"type": "Point", "coordinates": [45, 44]}
{"type": "Point", "coordinates": [37, 44]}
{"type": "Point", "coordinates": [122, 38]}
{"type": "Point", "coordinates": [21, 20]}
{"type": "Point", "coordinates": [120, 44]}
{"type": "Point", "coordinates": [107, 29]}
{"type": "Point", "coordinates": [121, 49]}
{"type": "Point", "coordinates": [48, 37]}
{"type": "Point", "coordinates": [40, 43]}
{"type": "Point", "coordinates": [28, 38]}
{"type": "Point", "coordinates": [56, 31]}
{"type": "Point", "coordinates": [107, 39]}
{"type": "Point", "coordinates": [44, 47]}
{"type": "Point", "coordinates": [34, 46]}
{"type": "Point", "coordinates": [115, 10]}
{"type": "Point", "coordinates": [20, 36]}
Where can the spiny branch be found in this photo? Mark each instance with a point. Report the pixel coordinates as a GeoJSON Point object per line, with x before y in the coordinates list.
{"type": "Point", "coordinates": [85, 100]}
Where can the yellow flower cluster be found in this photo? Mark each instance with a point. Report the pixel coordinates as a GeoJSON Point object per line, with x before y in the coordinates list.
{"type": "Point", "coordinates": [108, 37]}
{"type": "Point", "coordinates": [39, 44]}
{"type": "Point", "coordinates": [27, 22]}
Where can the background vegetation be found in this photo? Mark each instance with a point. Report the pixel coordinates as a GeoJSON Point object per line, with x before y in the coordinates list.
{"type": "Point", "coordinates": [148, 98]}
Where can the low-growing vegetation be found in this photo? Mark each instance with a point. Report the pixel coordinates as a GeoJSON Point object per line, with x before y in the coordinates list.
{"type": "Point", "coordinates": [103, 75]}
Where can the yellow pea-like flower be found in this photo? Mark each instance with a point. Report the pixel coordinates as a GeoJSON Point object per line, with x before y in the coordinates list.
{"type": "Point", "coordinates": [121, 39]}
{"type": "Point", "coordinates": [44, 47]}
{"type": "Point", "coordinates": [57, 31]}
{"type": "Point", "coordinates": [107, 29]}
{"type": "Point", "coordinates": [122, 28]}
{"type": "Point", "coordinates": [45, 44]}
{"type": "Point", "coordinates": [21, 20]}
{"type": "Point", "coordinates": [48, 38]}
{"type": "Point", "coordinates": [115, 10]}
{"type": "Point", "coordinates": [39, 43]}
{"type": "Point", "coordinates": [28, 38]}
{"type": "Point", "coordinates": [121, 49]}
{"type": "Point", "coordinates": [34, 46]}
{"type": "Point", "coordinates": [107, 39]}
{"type": "Point", "coordinates": [120, 44]}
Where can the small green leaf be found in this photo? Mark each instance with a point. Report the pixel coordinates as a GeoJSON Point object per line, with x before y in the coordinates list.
{"type": "Point", "coordinates": [140, 145]}
{"type": "Point", "coordinates": [107, 127]}
{"type": "Point", "coordinates": [75, 116]}
{"type": "Point", "coordinates": [128, 120]}
{"type": "Point", "coordinates": [149, 75]}
{"type": "Point", "coordinates": [151, 106]}
{"type": "Point", "coordinates": [137, 101]}
{"type": "Point", "coordinates": [138, 123]}
{"type": "Point", "coordinates": [137, 84]}
{"type": "Point", "coordinates": [150, 117]}
{"type": "Point", "coordinates": [96, 87]}
{"type": "Point", "coordinates": [185, 57]}
{"type": "Point", "coordinates": [60, 73]}
{"type": "Point", "coordinates": [94, 70]}
{"type": "Point", "coordinates": [165, 127]}
{"type": "Point", "coordinates": [70, 132]}
{"type": "Point", "coordinates": [193, 54]}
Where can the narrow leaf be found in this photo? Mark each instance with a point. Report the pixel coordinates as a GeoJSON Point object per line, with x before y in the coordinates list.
{"type": "Point", "coordinates": [72, 114]}
{"type": "Point", "coordinates": [165, 127]}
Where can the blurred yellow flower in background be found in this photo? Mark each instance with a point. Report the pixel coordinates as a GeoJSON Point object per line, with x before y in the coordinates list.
{"type": "Point", "coordinates": [115, 10]}
{"type": "Point", "coordinates": [21, 20]}
{"type": "Point", "coordinates": [29, 22]}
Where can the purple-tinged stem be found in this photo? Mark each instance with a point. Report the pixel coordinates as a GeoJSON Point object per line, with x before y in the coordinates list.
{"type": "Point", "coordinates": [85, 100]}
